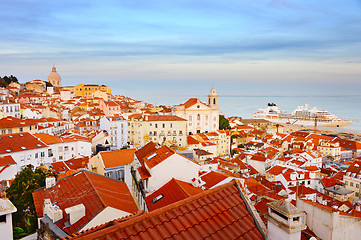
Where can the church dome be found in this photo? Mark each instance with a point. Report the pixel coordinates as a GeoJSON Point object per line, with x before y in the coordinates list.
{"type": "Point", "coordinates": [54, 78]}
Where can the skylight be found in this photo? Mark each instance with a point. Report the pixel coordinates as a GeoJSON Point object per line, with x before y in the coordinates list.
{"type": "Point", "coordinates": [10, 136]}
{"type": "Point", "coordinates": [38, 145]}
{"type": "Point", "coordinates": [23, 148]}
{"type": "Point", "coordinates": [21, 135]}
{"type": "Point", "coordinates": [8, 150]}
{"type": "Point", "coordinates": [157, 198]}
{"type": "Point", "coordinates": [152, 156]}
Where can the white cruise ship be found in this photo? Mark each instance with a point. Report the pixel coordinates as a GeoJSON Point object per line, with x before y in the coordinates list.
{"type": "Point", "coordinates": [303, 115]}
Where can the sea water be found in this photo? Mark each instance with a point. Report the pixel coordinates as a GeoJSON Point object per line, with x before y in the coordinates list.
{"type": "Point", "coordinates": [345, 107]}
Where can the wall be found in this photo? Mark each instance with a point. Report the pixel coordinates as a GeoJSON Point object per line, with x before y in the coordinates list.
{"type": "Point", "coordinates": [6, 228]}
{"type": "Point", "coordinates": [176, 166]}
{"type": "Point", "coordinates": [330, 225]}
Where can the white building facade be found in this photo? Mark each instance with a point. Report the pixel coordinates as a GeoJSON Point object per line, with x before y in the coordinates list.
{"type": "Point", "coordinates": [201, 117]}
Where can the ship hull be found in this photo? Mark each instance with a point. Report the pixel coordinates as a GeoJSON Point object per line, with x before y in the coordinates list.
{"type": "Point", "coordinates": [333, 124]}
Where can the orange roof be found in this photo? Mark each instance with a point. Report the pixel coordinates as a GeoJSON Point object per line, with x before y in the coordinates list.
{"type": "Point", "coordinates": [220, 213]}
{"type": "Point", "coordinates": [145, 150]}
{"type": "Point", "coordinates": [18, 142]}
{"type": "Point", "coordinates": [12, 122]}
{"type": "Point", "coordinates": [191, 140]}
{"type": "Point", "coordinates": [161, 154]}
{"type": "Point", "coordinates": [276, 170]}
{"type": "Point", "coordinates": [117, 158]}
{"type": "Point", "coordinates": [51, 139]}
{"type": "Point", "coordinates": [191, 102]}
{"type": "Point", "coordinates": [143, 172]}
{"type": "Point", "coordinates": [213, 178]}
{"type": "Point", "coordinates": [171, 192]}
{"type": "Point", "coordinates": [96, 192]}
{"type": "Point", "coordinates": [6, 160]}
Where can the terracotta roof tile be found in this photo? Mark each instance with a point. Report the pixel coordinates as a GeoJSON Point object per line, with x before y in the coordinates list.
{"type": "Point", "coordinates": [7, 160]}
{"type": "Point", "coordinates": [117, 158]}
{"type": "Point", "coordinates": [213, 178]}
{"type": "Point", "coordinates": [219, 213]}
{"type": "Point", "coordinates": [161, 154]}
{"type": "Point", "coordinates": [143, 172]}
{"type": "Point", "coordinates": [96, 192]}
{"type": "Point", "coordinates": [171, 192]}
{"type": "Point", "coordinates": [145, 150]}
{"type": "Point", "coordinates": [18, 142]}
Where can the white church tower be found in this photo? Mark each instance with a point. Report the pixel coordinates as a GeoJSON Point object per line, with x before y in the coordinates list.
{"type": "Point", "coordinates": [213, 99]}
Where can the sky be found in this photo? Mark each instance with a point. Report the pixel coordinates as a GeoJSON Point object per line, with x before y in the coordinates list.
{"type": "Point", "coordinates": [184, 47]}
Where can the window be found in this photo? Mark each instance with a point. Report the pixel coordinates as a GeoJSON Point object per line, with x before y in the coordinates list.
{"type": "Point", "coordinates": [3, 131]}
{"type": "Point", "coordinates": [346, 182]}
{"type": "Point", "coordinates": [121, 175]}
{"type": "Point", "coordinates": [198, 117]}
{"type": "Point", "coordinates": [21, 129]}
{"type": "Point", "coordinates": [60, 149]}
{"type": "Point", "coordinates": [351, 184]}
{"type": "Point", "coordinates": [163, 125]}
{"type": "Point", "coordinates": [3, 218]}
{"type": "Point", "coordinates": [357, 185]}
{"type": "Point", "coordinates": [180, 132]}
{"type": "Point", "coordinates": [66, 148]}
{"type": "Point", "coordinates": [42, 154]}
{"type": "Point", "coordinates": [10, 131]}
{"type": "Point", "coordinates": [36, 155]}
{"type": "Point", "coordinates": [60, 157]}
{"type": "Point", "coordinates": [356, 194]}
{"type": "Point", "coordinates": [156, 125]}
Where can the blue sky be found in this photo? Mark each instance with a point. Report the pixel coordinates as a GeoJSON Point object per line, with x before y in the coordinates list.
{"type": "Point", "coordinates": [253, 47]}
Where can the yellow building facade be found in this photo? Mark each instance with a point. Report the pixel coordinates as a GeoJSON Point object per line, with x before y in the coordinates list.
{"type": "Point", "coordinates": [88, 90]}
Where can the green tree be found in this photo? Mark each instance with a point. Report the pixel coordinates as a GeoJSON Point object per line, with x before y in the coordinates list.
{"type": "Point", "coordinates": [3, 83]}
{"type": "Point", "coordinates": [10, 79]}
{"type": "Point", "coordinates": [20, 194]}
{"type": "Point", "coordinates": [223, 123]}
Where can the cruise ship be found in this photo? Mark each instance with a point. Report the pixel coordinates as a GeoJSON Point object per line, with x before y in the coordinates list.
{"type": "Point", "coordinates": [302, 115]}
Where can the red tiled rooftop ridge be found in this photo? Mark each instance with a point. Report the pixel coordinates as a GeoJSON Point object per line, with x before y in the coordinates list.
{"type": "Point", "coordinates": [220, 213]}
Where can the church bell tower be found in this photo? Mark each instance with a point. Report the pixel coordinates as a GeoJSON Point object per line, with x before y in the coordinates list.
{"type": "Point", "coordinates": [213, 99]}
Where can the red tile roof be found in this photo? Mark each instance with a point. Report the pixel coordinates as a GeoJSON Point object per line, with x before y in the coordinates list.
{"type": "Point", "coordinates": [12, 122]}
{"type": "Point", "coordinates": [213, 178]}
{"type": "Point", "coordinates": [191, 140]}
{"type": "Point", "coordinates": [161, 154]}
{"type": "Point", "coordinates": [219, 213]}
{"type": "Point", "coordinates": [117, 158]}
{"type": "Point", "coordinates": [143, 172]}
{"type": "Point", "coordinates": [51, 139]}
{"type": "Point", "coordinates": [73, 163]}
{"type": "Point", "coordinates": [145, 150]}
{"type": "Point", "coordinates": [96, 192]}
{"type": "Point", "coordinates": [18, 142]}
{"type": "Point", "coordinates": [171, 192]}
{"type": "Point", "coordinates": [6, 160]}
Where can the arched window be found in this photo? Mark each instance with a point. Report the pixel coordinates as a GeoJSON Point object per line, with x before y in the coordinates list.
{"type": "Point", "coordinates": [214, 101]}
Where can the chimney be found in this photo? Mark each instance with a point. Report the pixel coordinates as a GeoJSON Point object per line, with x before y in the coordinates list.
{"type": "Point", "coordinates": [52, 211]}
{"type": "Point", "coordinates": [75, 213]}
{"type": "Point", "coordinates": [50, 182]}
{"type": "Point", "coordinates": [285, 221]}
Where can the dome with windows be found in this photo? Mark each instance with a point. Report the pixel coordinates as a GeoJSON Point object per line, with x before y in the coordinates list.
{"type": "Point", "coordinates": [54, 78]}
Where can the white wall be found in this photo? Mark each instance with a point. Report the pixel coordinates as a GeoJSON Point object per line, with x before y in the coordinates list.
{"type": "Point", "coordinates": [6, 229]}
{"type": "Point", "coordinates": [330, 225]}
{"type": "Point", "coordinates": [108, 214]}
{"type": "Point", "coordinates": [176, 166]}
